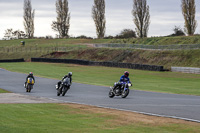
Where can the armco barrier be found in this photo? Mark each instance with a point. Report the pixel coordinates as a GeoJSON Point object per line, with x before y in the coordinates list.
{"type": "Point", "coordinates": [12, 60]}
{"type": "Point", "coordinates": [107, 64]}
{"type": "Point", "coordinates": [186, 70]}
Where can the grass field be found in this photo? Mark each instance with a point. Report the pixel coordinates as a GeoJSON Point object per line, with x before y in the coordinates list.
{"type": "Point", "coordinates": [168, 82]}
{"type": "Point", "coordinates": [58, 118]}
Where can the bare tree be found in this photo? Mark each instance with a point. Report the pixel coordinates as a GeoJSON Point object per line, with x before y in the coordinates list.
{"type": "Point", "coordinates": [8, 33]}
{"type": "Point", "coordinates": [29, 18]}
{"type": "Point", "coordinates": [98, 15]}
{"type": "Point", "coordinates": [189, 11]}
{"type": "Point", "coordinates": [141, 17]}
{"type": "Point", "coordinates": [63, 18]}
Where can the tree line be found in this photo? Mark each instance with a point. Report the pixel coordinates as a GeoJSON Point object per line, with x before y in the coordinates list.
{"type": "Point", "coordinates": [140, 13]}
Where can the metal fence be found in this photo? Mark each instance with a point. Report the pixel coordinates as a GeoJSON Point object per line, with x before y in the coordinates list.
{"type": "Point", "coordinates": [186, 70]}
{"type": "Point", "coordinates": [150, 47]}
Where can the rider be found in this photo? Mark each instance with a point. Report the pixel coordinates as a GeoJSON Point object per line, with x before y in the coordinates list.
{"type": "Point", "coordinates": [29, 76]}
{"type": "Point", "coordinates": [69, 75]}
{"type": "Point", "coordinates": [124, 78]}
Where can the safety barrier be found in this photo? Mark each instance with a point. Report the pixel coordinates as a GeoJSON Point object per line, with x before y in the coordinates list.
{"type": "Point", "coordinates": [107, 64]}
{"type": "Point", "coordinates": [186, 70]}
{"type": "Point", "coordinates": [12, 60]}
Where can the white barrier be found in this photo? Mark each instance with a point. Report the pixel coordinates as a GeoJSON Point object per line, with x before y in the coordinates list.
{"type": "Point", "coordinates": [186, 70]}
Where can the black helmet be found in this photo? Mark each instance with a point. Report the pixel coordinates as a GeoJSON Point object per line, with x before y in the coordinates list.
{"type": "Point", "coordinates": [70, 74]}
{"type": "Point", "coordinates": [126, 73]}
{"type": "Point", "coordinates": [31, 73]}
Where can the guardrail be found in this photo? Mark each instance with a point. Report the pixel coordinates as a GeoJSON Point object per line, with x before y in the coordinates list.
{"type": "Point", "coordinates": [107, 64]}
{"type": "Point", "coordinates": [150, 47]}
{"type": "Point", "coordinates": [186, 70]}
{"type": "Point", "coordinates": [12, 60]}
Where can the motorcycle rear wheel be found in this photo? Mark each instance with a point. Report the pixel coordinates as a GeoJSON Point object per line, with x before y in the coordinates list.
{"type": "Point", "coordinates": [111, 94]}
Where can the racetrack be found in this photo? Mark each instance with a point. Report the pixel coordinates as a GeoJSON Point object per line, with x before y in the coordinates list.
{"type": "Point", "coordinates": [167, 105]}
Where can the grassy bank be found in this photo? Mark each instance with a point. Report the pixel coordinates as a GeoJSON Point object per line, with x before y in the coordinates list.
{"type": "Point", "coordinates": [182, 58]}
{"type": "Point", "coordinates": [56, 118]}
{"type": "Point", "coordinates": [80, 49]}
{"type": "Point", "coordinates": [50, 42]}
{"type": "Point", "coordinates": [3, 91]}
{"type": "Point", "coordinates": [168, 82]}
{"type": "Point", "coordinates": [161, 40]}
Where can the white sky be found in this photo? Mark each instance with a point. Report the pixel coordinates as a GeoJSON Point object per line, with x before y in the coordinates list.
{"type": "Point", "coordinates": [165, 14]}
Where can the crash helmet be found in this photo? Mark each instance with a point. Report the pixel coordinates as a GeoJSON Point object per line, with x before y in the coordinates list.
{"type": "Point", "coordinates": [70, 74]}
{"type": "Point", "coordinates": [31, 73]}
{"type": "Point", "coordinates": [126, 73]}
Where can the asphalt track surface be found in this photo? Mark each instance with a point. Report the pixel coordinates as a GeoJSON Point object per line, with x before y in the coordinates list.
{"type": "Point", "coordinates": [150, 103]}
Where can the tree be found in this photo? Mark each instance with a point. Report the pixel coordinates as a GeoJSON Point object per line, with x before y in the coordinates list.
{"type": "Point", "coordinates": [141, 17]}
{"type": "Point", "coordinates": [98, 15]}
{"type": "Point", "coordinates": [18, 34]}
{"type": "Point", "coordinates": [178, 31]}
{"type": "Point", "coordinates": [127, 33]}
{"type": "Point", "coordinates": [189, 11]}
{"type": "Point", "coordinates": [8, 33]}
{"type": "Point", "coordinates": [29, 18]}
{"type": "Point", "coordinates": [63, 18]}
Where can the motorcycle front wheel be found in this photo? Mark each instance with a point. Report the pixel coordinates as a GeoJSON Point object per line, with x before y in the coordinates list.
{"type": "Point", "coordinates": [65, 91]}
{"type": "Point", "coordinates": [29, 88]}
{"type": "Point", "coordinates": [125, 93]}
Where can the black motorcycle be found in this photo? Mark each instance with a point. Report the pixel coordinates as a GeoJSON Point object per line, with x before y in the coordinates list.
{"type": "Point", "coordinates": [120, 89]}
{"type": "Point", "coordinates": [64, 87]}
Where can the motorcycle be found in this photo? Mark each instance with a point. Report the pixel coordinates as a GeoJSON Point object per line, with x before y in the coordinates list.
{"type": "Point", "coordinates": [120, 89]}
{"type": "Point", "coordinates": [64, 87]}
{"type": "Point", "coordinates": [29, 84]}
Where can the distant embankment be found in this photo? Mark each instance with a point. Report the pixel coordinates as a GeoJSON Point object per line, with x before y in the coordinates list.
{"type": "Point", "coordinates": [107, 64]}
{"type": "Point", "coordinates": [12, 60]}
{"type": "Point", "coordinates": [150, 47]}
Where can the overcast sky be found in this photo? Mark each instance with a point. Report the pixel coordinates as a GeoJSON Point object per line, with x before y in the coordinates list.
{"type": "Point", "coordinates": [165, 14]}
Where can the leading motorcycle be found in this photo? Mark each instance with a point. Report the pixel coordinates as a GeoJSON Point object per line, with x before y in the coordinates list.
{"type": "Point", "coordinates": [120, 89]}
{"type": "Point", "coordinates": [29, 84]}
{"type": "Point", "coordinates": [64, 87]}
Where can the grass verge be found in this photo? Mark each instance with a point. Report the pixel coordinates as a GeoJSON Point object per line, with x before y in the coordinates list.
{"type": "Point", "coordinates": [3, 91]}
{"type": "Point", "coordinates": [167, 82]}
{"type": "Point", "coordinates": [53, 118]}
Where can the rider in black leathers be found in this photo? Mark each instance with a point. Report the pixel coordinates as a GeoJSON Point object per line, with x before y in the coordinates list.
{"type": "Point", "coordinates": [69, 75]}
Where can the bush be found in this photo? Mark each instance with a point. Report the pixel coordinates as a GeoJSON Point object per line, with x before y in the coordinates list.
{"type": "Point", "coordinates": [83, 37]}
{"type": "Point", "coordinates": [126, 33]}
{"type": "Point", "coordinates": [177, 31]}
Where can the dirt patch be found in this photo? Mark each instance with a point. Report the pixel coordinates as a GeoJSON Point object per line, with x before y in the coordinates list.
{"type": "Point", "coordinates": [18, 98]}
{"type": "Point", "coordinates": [125, 117]}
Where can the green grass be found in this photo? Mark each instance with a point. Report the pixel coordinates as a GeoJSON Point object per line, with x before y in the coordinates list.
{"type": "Point", "coordinates": [3, 91]}
{"type": "Point", "coordinates": [161, 40]}
{"type": "Point", "coordinates": [50, 42]}
{"type": "Point", "coordinates": [57, 118]}
{"type": "Point", "coordinates": [167, 82]}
